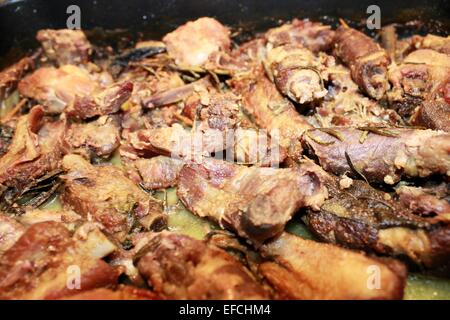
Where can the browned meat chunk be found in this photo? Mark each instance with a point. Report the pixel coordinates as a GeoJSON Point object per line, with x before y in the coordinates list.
{"type": "Point", "coordinates": [106, 102]}
{"type": "Point", "coordinates": [346, 106]}
{"type": "Point", "coordinates": [367, 61]}
{"type": "Point", "coordinates": [255, 202]}
{"type": "Point", "coordinates": [312, 35]}
{"type": "Point", "coordinates": [40, 263]}
{"type": "Point", "coordinates": [422, 201]}
{"type": "Point", "coordinates": [434, 115]}
{"type": "Point", "coordinates": [65, 46]}
{"type": "Point", "coordinates": [192, 44]}
{"type": "Point", "coordinates": [106, 195]}
{"type": "Point", "coordinates": [57, 88]}
{"type": "Point", "coordinates": [10, 77]}
{"type": "Point", "coordinates": [10, 231]}
{"type": "Point", "coordinates": [305, 270]}
{"type": "Point", "coordinates": [299, 74]}
{"type": "Point", "coordinates": [430, 41]}
{"type": "Point", "coordinates": [365, 218]}
{"type": "Point", "coordinates": [272, 112]}
{"type": "Point", "coordinates": [381, 154]}
{"type": "Point", "coordinates": [35, 150]}
{"type": "Point", "coordinates": [99, 138]}
{"type": "Point", "coordinates": [158, 173]}
{"type": "Point", "coordinates": [179, 267]}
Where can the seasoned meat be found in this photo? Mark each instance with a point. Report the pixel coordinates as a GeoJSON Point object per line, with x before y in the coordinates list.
{"type": "Point", "coordinates": [106, 195]}
{"type": "Point", "coordinates": [381, 154]}
{"type": "Point", "coordinates": [124, 292]}
{"type": "Point", "coordinates": [364, 218]}
{"type": "Point", "coordinates": [10, 231]}
{"type": "Point", "coordinates": [10, 77]}
{"type": "Point", "coordinates": [65, 46]}
{"type": "Point", "coordinates": [314, 36]}
{"type": "Point", "coordinates": [431, 41]}
{"type": "Point", "coordinates": [57, 88]}
{"type": "Point", "coordinates": [179, 267]}
{"type": "Point", "coordinates": [346, 106]}
{"type": "Point", "coordinates": [103, 103]}
{"type": "Point", "coordinates": [434, 115]}
{"type": "Point", "coordinates": [367, 61]}
{"type": "Point", "coordinates": [306, 270]}
{"type": "Point", "coordinates": [254, 202]}
{"type": "Point", "coordinates": [299, 74]}
{"type": "Point", "coordinates": [40, 263]}
{"type": "Point", "coordinates": [158, 173]}
{"type": "Point", "coordinates": [272, 112]}
{"type": "Point", "coordinates": [100, 137]}
{"type": "Point", "coordinates": [192, 44]}
{"type": "Point", "coordinates": [69, 218]}
{"type": "Point", "coordinates": [35, 150]}
{"type": "Point", "coordinates": [422, 201]}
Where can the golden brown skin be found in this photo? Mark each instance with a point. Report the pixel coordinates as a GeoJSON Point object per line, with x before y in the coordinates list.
{"type": "Point", "coordinates": [308, 270]}
{"type": "Point", "coordinates": [367, 61]}
{"type": "Point", "coordinates": [10, 77]}
{"type": "Point", "coordinates": [179, 267]}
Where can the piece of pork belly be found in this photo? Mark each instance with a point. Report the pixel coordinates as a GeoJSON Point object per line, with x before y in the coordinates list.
{"type": "Point", "coordinates": [99, 138]}
{"type": "Point", "coordinates": [108, 101]}
{"type": "Point", "coordinates": [298, 73]}
{"type": "Point", "coordinates": [104, 194]}
{"type": "Point", "coordinates": [192, 44]}
{"type": "Point", "coordinates": [48, 263]}
{"type": "Point", "coordinates": [57, 88]}
{"type": "Point", "coordinates": [65, 46]}
{"type": "Point", "coordinates": [10, 231]}
{"type": "Point", "coordinates": [124, 292]}
{"type": "Point", "coordinates": [361, 217]}
{"type": "Point", "coordinates": [308, 270]}
{"type": "Point", "coordinates": [255, 202]}
{"type": "Point", "coordinates": [381, 154]}
{"type": "Point", "coordinates": [272, 112]}
{"type": "Point", "coordinates": [10, 77]}
{"type": "Point", "coordinates": [35, 150]}
{"type": "Point", "coordinates": [179, 267]}
{"type": "Point", "coordinates": [367, 61]}
{"type": "Point", "coordinates": [314, 36]}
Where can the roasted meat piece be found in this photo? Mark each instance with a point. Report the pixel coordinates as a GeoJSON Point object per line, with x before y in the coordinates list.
{"type": "Point", "coordinates": [433, 114]}
{"type": "Point", "coordinates": [157, 173]}
{"type": "Point", "coordinates": [35, 150]}
{"type": "Point", "coordinates": [381, 154]}
{"type": "Point", "coordinates": [361, 217]}
{"type": "Point", "coordinates": [308, 270]}
{"type": "Point", "coordinates": [314, 36]}
{"type": "Point", "coordinates": [255, 202]}
{"type": "Point", "coordinates": [48, 263]}
{"type": "Point", "coordinates": [10, 77]}
{"type": "Point", "coordinates": [345, 105]}
{"type": "Point", "coordinates": [423, 77]}
{"type": "Point", "coordinates": [431, 41]}
{"type": "Point", "coordinates": [99, 138]}
{"type": "Point", "coordinates": [57, 88]}
{"type": "Point", "coordinates": [272, 112]}
{"type": "Point", "coordinates": [423, 201]}
{"type": "Point", "coordinates": [10, 231]}
{"type": "Point", "coordinates": [298, 73]}
{"type": "Point", "coordinates": [106, 195]}
{"type": "Point", "coordinates": [192, 44]}
{"type": "Point", "coordinates": [179, 267]}
{"type": "Point", "coordinates": [65, 46]}
{"type": "Point", "coordinates": [367, 61]}
{"type": "Point", "coordinates": [103, 103]}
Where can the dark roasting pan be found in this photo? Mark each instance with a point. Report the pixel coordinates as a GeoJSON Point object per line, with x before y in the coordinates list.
{"type": "Point", "coordinates": [20, 19]}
